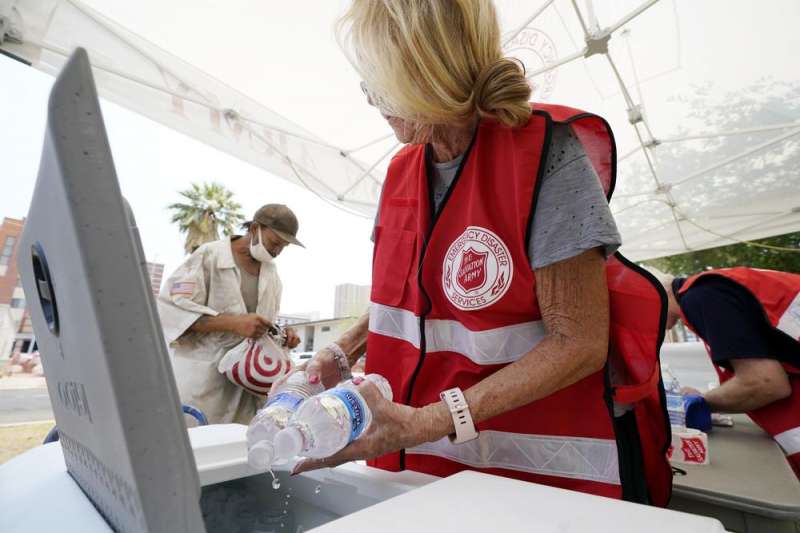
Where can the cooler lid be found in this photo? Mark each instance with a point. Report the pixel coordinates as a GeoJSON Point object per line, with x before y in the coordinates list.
{"type": "Point", "coordinates": [108, 372]}
{"type": "Point", "coordinates": [475, 502]}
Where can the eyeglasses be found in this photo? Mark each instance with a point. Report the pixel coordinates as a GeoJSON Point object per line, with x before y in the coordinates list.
{"type": "Point", "coordinates": [376, 100]}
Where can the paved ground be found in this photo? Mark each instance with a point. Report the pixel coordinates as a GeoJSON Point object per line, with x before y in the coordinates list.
{"type": "Point", "coordinates": [22, 381]}
{"type": "Point", "coordinates": [24, 405]}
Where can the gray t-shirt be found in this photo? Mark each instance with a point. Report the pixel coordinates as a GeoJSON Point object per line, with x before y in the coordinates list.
{"type": "Point", "coordinates": [249, 288]}
{"type": "Point", "coordinates": [572, 214]}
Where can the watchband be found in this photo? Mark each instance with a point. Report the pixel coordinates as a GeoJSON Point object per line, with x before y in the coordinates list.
{"type": "Point", "coordinates": [341, 360]}
{"type": "Point", "coordinates": [462, 419]}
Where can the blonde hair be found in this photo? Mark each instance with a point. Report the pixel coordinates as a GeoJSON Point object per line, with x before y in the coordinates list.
{"type": "Point", "coordinates": [435, 61]}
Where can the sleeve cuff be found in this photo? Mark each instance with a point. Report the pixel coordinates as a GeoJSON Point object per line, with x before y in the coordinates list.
{"type": "Point", "coordinates": [180, 322]}
{"type": "Point", "coordinates": [609, 248]}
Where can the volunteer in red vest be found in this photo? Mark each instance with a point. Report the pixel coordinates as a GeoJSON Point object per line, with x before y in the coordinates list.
{"type": "Point", "coordinates": [749, 320]}
{"type": "Point", "coordinates": [494, 253]}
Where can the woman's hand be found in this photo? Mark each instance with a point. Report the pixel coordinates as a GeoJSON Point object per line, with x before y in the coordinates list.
{"type": "Point", "coordinates": [323, 367]}
{"type": "Point", "coordinates": [394, 426]}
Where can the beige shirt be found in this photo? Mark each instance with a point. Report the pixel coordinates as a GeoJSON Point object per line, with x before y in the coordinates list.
{"type": "Point", "coordinates": [209, 283]}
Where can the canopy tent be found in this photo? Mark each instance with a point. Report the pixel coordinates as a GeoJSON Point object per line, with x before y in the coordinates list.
{"type": "Point", "coordinates": [703, 97]}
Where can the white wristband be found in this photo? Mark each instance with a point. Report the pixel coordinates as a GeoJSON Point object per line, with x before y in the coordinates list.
{"type": "Point", "coordinates": [462, 419]}
{"type": "Point", "coordinates": [341, 360]}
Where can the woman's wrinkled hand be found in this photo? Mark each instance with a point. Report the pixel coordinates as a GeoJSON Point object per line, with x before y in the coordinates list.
{"type": "Point", "coordinates": [394, 426]}
{"type": "Point", "coordinates": [323, 367]}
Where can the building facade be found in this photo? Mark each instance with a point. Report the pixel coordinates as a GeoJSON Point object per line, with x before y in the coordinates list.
{"type": "Point", "coordinates": [156, 273]}
{"type": "Point", "coordinates": [350, 300]}
{"type": "Point", "coordinates": [318, 334]}
{"type": "Point", "coordinates": [290, 319]}
{"type": "Point", "coordinates": [16, 330]}
{"type": "Point", "coordinates": [10, 233]}
{"type": "Point", "coordinates": [12, 298]}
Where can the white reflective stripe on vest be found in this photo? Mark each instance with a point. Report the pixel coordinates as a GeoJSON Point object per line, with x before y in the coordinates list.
{"type": "Point", "coordinates": [487, 347]}
{"type": "Point", "coordinates": [572, 457]}
{"type": "Point", "coordinates": [789, 440]}
{"type": "Point", "coordinates": [790, 319]}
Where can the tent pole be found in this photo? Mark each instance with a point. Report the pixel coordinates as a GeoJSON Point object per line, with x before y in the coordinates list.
{"type": "Point", "coordinates": [632, 15]}
{"type": "Point", "coordinates": [729, 133]}
{"type": "Point", "coordinates": [736, 157]}
{"type": "Point", "coordinates": [368, 171]}
{"type": "Point", "coordinates": [376, 141]}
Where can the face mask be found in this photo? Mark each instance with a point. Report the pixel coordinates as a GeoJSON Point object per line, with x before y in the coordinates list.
{"type": "Point", "coordinates": [258, 251]}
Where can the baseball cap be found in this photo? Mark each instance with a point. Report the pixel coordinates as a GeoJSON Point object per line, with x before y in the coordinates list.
{"type": "Point", "coordinates": [279, 219]}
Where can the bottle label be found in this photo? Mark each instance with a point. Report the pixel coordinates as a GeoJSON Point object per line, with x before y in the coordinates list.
{"type": "Point", "coordinates": [289, 400]}
{"type": "Point", "coordinates": [356, 409]}
{"type": "Point", "coordinates": [674, 402]}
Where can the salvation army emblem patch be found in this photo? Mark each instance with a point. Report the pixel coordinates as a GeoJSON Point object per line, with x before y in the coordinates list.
{"type": "Point", "coordinates": [477, 269]}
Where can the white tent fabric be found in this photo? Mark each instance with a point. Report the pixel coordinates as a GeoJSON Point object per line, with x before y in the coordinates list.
{"type": "Point", "coordinates": [703, 97]}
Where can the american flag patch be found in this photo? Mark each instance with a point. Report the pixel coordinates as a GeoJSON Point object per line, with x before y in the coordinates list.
{"type": "Point", "coordinates": [182, 287]}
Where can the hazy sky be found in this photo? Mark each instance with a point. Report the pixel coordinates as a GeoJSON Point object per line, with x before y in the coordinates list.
{"type": "Point", "coordinates": [154, 162]}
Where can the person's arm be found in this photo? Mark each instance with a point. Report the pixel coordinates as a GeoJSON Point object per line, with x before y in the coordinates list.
{"type": "Point", "coordinates": [183, 298]}
{"type": "Point", "coordinates": [249, 325]}
{"type": "Point", "coordinates": [756, 383]}
{"type": "Point", "coordinates": [732, 323]}
{"type": "Point", "coordinates": [573, 299]}
{"type": "Point", "coordinates": [353, 343]}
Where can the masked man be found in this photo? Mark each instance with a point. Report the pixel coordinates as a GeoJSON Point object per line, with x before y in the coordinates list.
{"type": "Point", "coordinates": [225, 291]}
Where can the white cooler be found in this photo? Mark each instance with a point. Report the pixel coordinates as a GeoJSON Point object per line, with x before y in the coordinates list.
{"type": "Point", "coordinates": [37, 494]}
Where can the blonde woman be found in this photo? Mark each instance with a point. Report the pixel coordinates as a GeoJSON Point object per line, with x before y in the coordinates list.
{"type": "Point", "coordinates": [490, 303]}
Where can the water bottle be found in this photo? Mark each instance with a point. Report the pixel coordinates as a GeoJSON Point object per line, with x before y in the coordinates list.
{"type": "Point", "coordinates": [672, 388]}
{"type": "Point", "coordinates": [328, 422]}
{"type": "Point", "coordinates": [280, 406]}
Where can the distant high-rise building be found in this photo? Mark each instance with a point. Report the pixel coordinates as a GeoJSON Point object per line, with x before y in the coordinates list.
{"type": "Point", "coordinates": [156, 271]}
{"type": "Point", "coordinates": [350, 300]}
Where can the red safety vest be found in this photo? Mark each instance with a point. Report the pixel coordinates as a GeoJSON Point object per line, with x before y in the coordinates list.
{"type": "Point", "coordinates": [779, 295]}
{"type": "Point", "coordinates": [453, 301]}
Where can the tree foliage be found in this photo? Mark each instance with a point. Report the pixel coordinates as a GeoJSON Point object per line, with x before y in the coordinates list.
{"type": "Point", "coordinates": [728, 177]}
{"type": "Point", "coordinates": [736, 255]}
{"type": "Point", "coordinates": [210, 208]}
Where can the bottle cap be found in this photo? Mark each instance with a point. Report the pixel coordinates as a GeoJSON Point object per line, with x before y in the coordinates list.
{"type": "Point", "coordinates": [288, 443]}
{"type": "Point", "coordinates": [260, 455]}
{"type": "Point", "coordinates": [258, 431]}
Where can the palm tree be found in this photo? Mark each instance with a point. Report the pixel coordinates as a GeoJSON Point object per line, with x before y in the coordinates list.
{"type": "Point", "coordinates": [210, 208]}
